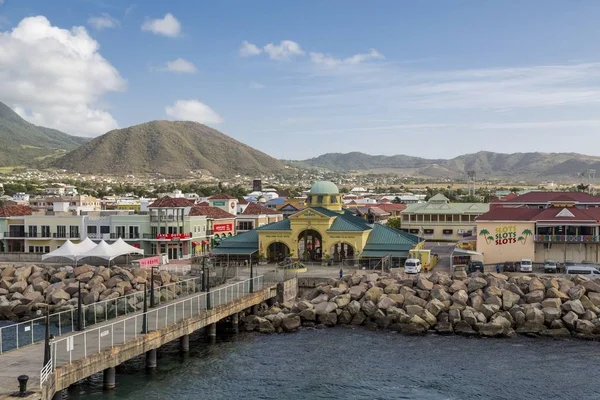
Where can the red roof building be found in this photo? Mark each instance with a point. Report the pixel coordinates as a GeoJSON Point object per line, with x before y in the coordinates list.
{"type": "Point", "coordinates": [392, 208]}
{"type": "Point", "coordinates": [171, 202]}
{"type": "Point", "coordinates": [221, 196]}
{"type": "Point", "coordinates": [210, 212]}
{"type": "Point", "coordinates": [14, 210]}
{"type": "Point", "coordinates": [547, 199]}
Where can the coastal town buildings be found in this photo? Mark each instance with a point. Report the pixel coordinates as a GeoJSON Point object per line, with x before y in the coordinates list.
{"type": "Point", "coordinates": [559, 226]}
{"type": "Point", "coordinates": [441, 220]}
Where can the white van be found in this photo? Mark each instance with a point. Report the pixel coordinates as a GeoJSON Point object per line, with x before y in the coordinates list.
{"type": "Point", "coordinates": [585, 270]}
{"type": "Point", "coordinates": [412, 266]}
{"type": "Point", "coordinates": [526, 265]}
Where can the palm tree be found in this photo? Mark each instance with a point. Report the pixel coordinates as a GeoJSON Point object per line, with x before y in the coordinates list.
{"type": "Point", "coordinates": [485, 233]}
{"type": "Point", "coordinates": [526, 233]}
{"type": "Point", "coordinates": [489, 239]}
{"type": "Point", "coordinates": [521, 239]}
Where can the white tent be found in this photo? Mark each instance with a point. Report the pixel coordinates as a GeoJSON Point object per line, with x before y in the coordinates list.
{"type": "Point", "coordinates": [124, 248]}
{"type": "Point", "coordinates": [67, 250]}
{"type": "Point", "coordinates": [85, 245]}
{"type": "Point", "coordinates": [102, 250]}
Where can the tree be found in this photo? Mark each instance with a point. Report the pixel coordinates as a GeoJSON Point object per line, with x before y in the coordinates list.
{"type": "Point", "coordinates": [394, 223]}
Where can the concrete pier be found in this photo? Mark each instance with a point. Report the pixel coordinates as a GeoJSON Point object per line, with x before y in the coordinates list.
{"type": "Point", "coordinates": [109, 378]}
{"type": "Point", "coordinates": [184, 343]}
{"type": "Point", "coordinates": [211, 332]}
{"type": "Point", "coordinates": [235, 319]}
{"type": "Point", "coordinates": [254, 309]}
{"type": "Point", "coordinates": [151, 359]}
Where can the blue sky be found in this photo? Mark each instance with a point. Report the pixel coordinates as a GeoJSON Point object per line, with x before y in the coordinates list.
{"type": "Point", "coordinates": [299, 79]}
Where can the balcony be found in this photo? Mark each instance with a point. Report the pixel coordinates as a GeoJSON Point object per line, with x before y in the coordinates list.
{"type": "Point", "coordinates": [168, 236]}
{"type": "Point", "coordinates": [165, 218]}
{"type": "Point", "coordinates": [66, 236]}
{"type": "Point", "coordinates": [26, 235]}
{"type": "Point", "coordinates": [209, 232]}
{"type": "Point", "coordinates": [126, 236]}
{"type": "Point", "coordinates": [567, 239]}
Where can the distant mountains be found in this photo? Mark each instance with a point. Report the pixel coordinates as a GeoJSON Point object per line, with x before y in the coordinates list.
{"type": "Point", "coordinates": [25, 144]}
{"type": "Point", "coordinates": [171, 148]}
{"type": "Point", "coordinates": [487, 165]}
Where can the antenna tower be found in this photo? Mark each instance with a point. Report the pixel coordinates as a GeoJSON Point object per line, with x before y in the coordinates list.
{"type": "Point", "coordinates": [471, 182]}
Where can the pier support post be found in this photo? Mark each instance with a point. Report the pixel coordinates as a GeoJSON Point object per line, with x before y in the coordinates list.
{"type": "Point", "coordinates": [151, 359]}
{"type": "Point", "coordinates": [57, 395]}
{"type": "Point", "coordinates": [255, 309]}
{"type": "Point", "coordinates": [184, 343]}
{"type": "Point", "coordinates": [235, 318]}
{"type": "Point", "coordinates": [212, 332]}
{"type": "Point", "coordinates": [109, 378]}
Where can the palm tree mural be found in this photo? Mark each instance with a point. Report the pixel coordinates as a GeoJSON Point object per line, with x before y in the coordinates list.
{"type": "Point", "coordinates": [526, 233]}
{"type": "Point", "coordinates": [489, 239]}
{"type": "Point", "coordinates": [486, 234]}
{"type": "Point", "coordinates": [521, 239]}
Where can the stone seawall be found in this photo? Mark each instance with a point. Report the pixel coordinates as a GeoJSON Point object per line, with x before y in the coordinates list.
{"type": "Point", "coordinates": [485, 304]}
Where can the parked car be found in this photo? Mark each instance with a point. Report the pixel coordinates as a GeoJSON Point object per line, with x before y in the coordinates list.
{"type": "Point", "coordinates": [510, 266]}
{"type": "Point", "coordinates": [526, 265]}
{"type": "Point", "coordinates": [412, 266]}
{"type": "Point", "coordinates": [550, 267]}
{"type": "Point", "coordinates": [476, 266]}
{"type": "Point", "coordinates": [585, 270]}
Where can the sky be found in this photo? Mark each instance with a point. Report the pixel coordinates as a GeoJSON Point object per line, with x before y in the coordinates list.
{"type": "Point", "coordinates": [297, 79]}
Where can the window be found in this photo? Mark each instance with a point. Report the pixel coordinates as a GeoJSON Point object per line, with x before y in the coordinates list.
{"type": "Point", "coordinates": [104, 229]}
{"type": "Point", "coordinates": [428, 231]}
{"type": "Point", "coordinates": [92, 229]}
{"type": "Point", "coordinates": [32, 231]}
{"type": "Point", "coordinates": [31, 249]}
{"type": "Point", "coordinates": [245, 225]}
{"type": "Point", "coordinates": [46, 231]}
{"type": "Point", "coordinates": [120, 231]}
{"type": "Point", "coordinates": [415, 231]}
{"type": "Point", "coordinates": [74, 231]}
{"type": "Point", "coordinates": [61, 231]}
{"type": "Point", "coordinates": [333, 200]}
{"type": "Point", "coordinates": [134, 232]}
{"type": "Point", "coordinates": [309, 199]}
{"type": "Point", "coordinates": [47, 249]}
{"type": "Point", "coordinates": [319, 199]}
{"type": "Point", "coordinates": [447, 231]}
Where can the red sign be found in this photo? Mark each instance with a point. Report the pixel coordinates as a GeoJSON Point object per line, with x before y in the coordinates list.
{"type": "Point", "coordinates": [171, 236]}
{"type": "Point", "coordinates": [148, 262]}
{"type": "Point", "coordinates": [223, 227]}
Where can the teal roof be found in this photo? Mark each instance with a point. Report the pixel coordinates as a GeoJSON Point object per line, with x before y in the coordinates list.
{"type": "Point", "coordinates": [342, 225]}
{"type": "Point", "coordinates": [243, 244]}
{"type": "Point", "coordinates": [441, 207]}
{"type": "Point", "coordinates": [385, 240]}
{"type": "Point", "coordinates": [324, 187]}
{"type": "Point", "coordinates": [283, 225]}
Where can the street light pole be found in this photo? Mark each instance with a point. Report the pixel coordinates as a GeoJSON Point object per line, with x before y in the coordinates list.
{"type": "Point", "coordinates": [47, 337]}
{"type": "Point", "coordinates": [145, 318]}
{"type": "Point", "coordinates": [251, 276]}
{"type": "Point", "coordinates": [152, 287]}
{"type": "Point", "coordinates": [79, 309]}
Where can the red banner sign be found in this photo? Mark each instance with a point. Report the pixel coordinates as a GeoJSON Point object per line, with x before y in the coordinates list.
{"type": "Point", "coordinates": [148, 262]}
{"type": "Point", "coordinates": [223, 227]}
{"type": "Point", "coordinates": [171, 236]}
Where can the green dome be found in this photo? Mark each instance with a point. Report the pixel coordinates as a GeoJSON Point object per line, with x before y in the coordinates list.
{"type": "Point", "coordinates": [324, 187]}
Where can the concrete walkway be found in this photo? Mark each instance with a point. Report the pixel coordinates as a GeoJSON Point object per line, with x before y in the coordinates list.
{"type": "Point", "coordinates": [70, 347]}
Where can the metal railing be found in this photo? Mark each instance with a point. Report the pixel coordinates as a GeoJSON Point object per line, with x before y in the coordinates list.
{"type": "Point", "coordinates": [25, 333]}
{"type": "Point", "coordinates": [125, 236]}
{"type": "Point", "coordinates": [46, 372]}
{"type": "Point", "coordinates": [176, 269]}
{"type": "Point", "coordinates": [94, 340]}
{"type": "Point", "coordinates": [567, 238]}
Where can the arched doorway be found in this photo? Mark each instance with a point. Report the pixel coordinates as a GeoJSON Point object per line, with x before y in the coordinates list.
{"type": "Point", "coordinates": [341, 251]}
{"type": "Point", "coordinates": [277, 251]}
{"type": "Point", "coordinates": [309, 245]}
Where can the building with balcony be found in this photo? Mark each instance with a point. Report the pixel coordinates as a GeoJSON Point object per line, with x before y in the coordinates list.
{"type": "Point", "coordinates": [254, 216]}
{"type": "Point", "coordinates": [224, 201]}
{"type": "Point", "coordinates": [559, 226]}
{"type": "Point", "coordinates": [220, 224]}
{"type": "Point", "coordinates": [440, 220]}
{"type": "Point", "coordinates": [72, 204]}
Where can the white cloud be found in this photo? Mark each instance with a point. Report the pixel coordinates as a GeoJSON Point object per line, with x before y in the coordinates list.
{"type": "Point", "coordinates": [167, 26]}
{"type": "Point", "coordinates": [329, 61]}
{"type": "Point", "coordinates": [248, 49]}
{"type": "Point", "coordinates": [55, 77]}
{"type": "Point", "coordinates": [103, 21]}
{"type": "Point", "coordinates": [180, 66]}
{"type": "Point", "coordinates": [285, 50]}
{"type": "Point", "coordinates": [193, 110]}
{"type": "Point", "coordinates": [256, 85]}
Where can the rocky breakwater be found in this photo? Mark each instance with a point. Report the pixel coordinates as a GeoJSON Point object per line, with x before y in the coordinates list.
{"type": "Point", "coordinates": [486, 304]}
{"type": "Point", "coordinates": [26, 291]}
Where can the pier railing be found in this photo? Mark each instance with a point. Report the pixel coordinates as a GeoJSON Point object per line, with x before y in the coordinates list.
{"type": "Point", "coordinates": [97, 339]}
{"type": "Point", "coordinates": [32, 331]}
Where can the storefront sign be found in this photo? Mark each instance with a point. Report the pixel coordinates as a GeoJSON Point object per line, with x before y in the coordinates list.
{"type": "Point", "coordinates": [171, 236]}
{"type": "Point", "coordinates": [505, 235]}
{"type": "Point", "coordinates": [148, 262]}
{"type": "Point", "coordinates": [223, 227]}
{"type": "Point", "coordinates": [218, 203]}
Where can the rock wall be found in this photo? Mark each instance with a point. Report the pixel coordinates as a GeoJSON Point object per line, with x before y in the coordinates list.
{"type": "Point", "coordinates": [26, 290]}
{"type": "Point", "coordinates": [487, 304]}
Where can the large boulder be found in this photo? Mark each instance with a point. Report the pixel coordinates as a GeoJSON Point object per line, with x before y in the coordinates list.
{"type": "Point", "coordinates": [59, 295]}
{"type": "Point", "coordinates": [435, 307]}
{"type": "Point", "coordinates": [460, 296]}
{"type": "Point", "coordinates": [32, 297]}
{"type": "Point", "coordinates": [456, 286]}
{"type": "Point", "coordinates": [265, 326]}
{"type": "Point", "coordinates": [342, 300]}
{"type": "Point", "coordinates": [329, 319]}
{"type": "Point", "coordinates": [85, 277]}
{"type": "Point", "coordinates": [22, 273]}
{"type": "Point", "coordinates": [357, 292]}
{"type": "Point", "coordinates": [320, 299]}
{"type": "Point", "coordinates": [575, 306]}
{"type": "Point", "coordinates": [385, 303]}
{"type": "Point", "coordinates": [83, 269]}
{"type": "Point", "coordinates": [414, 300]}
{"type": "Point", "coordinates": [423, 283]}
{"type": "Point", "coordinates": [583, 326]}
{"type": "Point", "coordinates": [474, 284]}
{"type": "Point", "coordinates": [440, 294]}
{"type": "Point", "coordinates": [308, 314]}
{"type": "Point", "coordinates": [463, 328]}
{"type": "Point", "coordinates": [551, 303]}
{"type": "Point", "coordinates": [353, 307]}
{"type": "Point", "coordinates": [536, 296]}
{"type": "Point", "coordinates": [570, 318]}
{"type": "Point", "coordinates": [591, 286]}
{"type": "Point", "coordinates": [373, 294]}
{"type": "Point", "coordinates": [18, 287]}
{"type": "Point", "coordinates": [394, 288]}
{"type": "Point", "coordinates": [576, 292]}
{"type": "Point", "coordinates": [491, 329]}
{"type": "Point", "coordinates": [536, 284]}
{"type": "Point", "coordinates": [369, 308]}
{"type": "Point", "coordinates": [551, 314]}
{"type": "Point", "coordinates": [509, 299]}
{"type": "Point", "coordinates": [558, 294]}
{"type": "Point", "coordinates": [304, 304]}
{"type": "Point", "coordinates": [291, 323]}
{"type": "Point", "coordinates": [8, 272]}
{"type": "Point", "coordinates": [358, 318]}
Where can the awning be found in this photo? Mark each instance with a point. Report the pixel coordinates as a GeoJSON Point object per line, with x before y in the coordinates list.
{"type": "Point", "coordinates": [383, 253]}
{"type": "Point", "coordinates": [240, 251]}
{"type": "Point", "coordinates": [194, 243]}
{"type": "Point", "coordinates": [205, 242]}
{"type": "Point", "coordinates": [464, 252]}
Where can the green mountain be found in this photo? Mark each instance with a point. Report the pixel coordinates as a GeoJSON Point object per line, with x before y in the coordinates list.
{"type": "Point", "coordinates": [29, 145]}
{"type": "Point", "coordinates": [485, 164]}
{"type": "Point", "coordinates": [172, 148]}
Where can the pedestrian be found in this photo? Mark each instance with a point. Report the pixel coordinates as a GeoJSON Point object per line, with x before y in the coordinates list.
{"type": "Point", "coordinates": [498, 268]}
{"type": "Point", "coordinates": [341, 273]}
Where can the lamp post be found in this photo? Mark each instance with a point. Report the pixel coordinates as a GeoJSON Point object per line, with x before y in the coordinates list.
{"type": "Point", "coordinates": [152, 287]}
{"type": "Point", "coordinates": [145, 311]}
{"type": "Point", "coordinates": [79, 309]}
{"type": "Point", "coordinates": [251, 288]}
{"type": "Point", "coordinates": [47, 337]}
{"type": "Point", "coordinates": [207, 286]}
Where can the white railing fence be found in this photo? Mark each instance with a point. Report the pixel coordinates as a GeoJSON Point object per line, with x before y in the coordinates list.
{"type": "Point", "coordinates": [25, 333]}
{"type": "Point", "coordinates": [96, 339]}
{"type": "Point", "coordinates": [46, 372]}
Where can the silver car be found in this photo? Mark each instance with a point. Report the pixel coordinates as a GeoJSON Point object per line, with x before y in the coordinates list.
{"type": "Point", "coordinates": [550, 267]}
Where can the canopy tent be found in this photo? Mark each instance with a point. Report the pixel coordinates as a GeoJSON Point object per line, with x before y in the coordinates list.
{"type": "Point", "coordinates": [102, 250]}
{"type": "Point", "coordinates": [122, 248]}
{"type": "Point", "coordinates": [464, 252]}
{"type": "Point", "coordinates": [67, 250]}
{"type": "Point", "coordinates": [85, 245]}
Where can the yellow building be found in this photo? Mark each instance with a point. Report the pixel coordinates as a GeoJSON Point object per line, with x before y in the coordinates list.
{"type": "Point", "coordinates": [323, 231]}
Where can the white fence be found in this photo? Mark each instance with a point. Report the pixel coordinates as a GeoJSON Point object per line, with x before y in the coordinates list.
{"type": "Point", "coordinates": [96, 339]}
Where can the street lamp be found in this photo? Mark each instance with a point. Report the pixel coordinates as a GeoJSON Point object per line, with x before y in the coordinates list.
{"type": "Point", "coordinates": [145, 311]}
{"type": "Point", "coordinates": [251, 273]}
{"type": "Point", "coordinates": [47, 337]}
{"type": "Point", "coordinates": [79, 309]}
{"type": "Point", "coordinates": [152, 287]}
